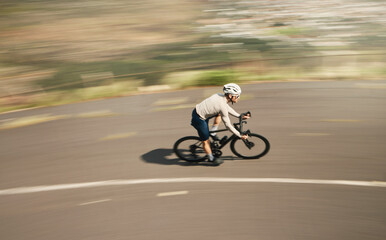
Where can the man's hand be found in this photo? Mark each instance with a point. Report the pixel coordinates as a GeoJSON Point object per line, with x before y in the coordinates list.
{"type": "Point", "coordinates": [246, 115]}
{"type": "Point", "coordinates": [244, 137]}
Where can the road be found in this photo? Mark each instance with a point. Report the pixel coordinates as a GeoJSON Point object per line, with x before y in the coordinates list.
{"type": "Point", "coordinates": [105, 169]}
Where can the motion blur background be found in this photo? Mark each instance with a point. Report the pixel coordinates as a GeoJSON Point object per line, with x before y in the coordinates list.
{"type": "Point", "coordinates": [59, 166]}
{"type": "Point", "coordinates": [55, 52]}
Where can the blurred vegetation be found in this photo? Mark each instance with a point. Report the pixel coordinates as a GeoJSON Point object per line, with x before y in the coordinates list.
{"type": "Point", "coordinates": [67, 50]}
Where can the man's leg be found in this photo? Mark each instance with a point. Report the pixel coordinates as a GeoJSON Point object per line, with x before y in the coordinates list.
{"type": "Point", "coordinates": [211, 158]}
{"type": "Point", "coordinates": [207, 149]}
{"type": "Point", "coordinates": [216, 123]}
{"type": "Point", "coordinates": [203, 131]}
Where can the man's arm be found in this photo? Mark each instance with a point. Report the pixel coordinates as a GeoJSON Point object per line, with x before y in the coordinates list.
{"type": "Point", "coordinates": [228, 124]}
{"type": "Point", "coordinates": [232, 112]}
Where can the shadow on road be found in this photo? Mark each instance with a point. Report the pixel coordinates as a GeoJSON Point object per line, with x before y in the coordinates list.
{"type": "Point", "coordinates": [166, 157]}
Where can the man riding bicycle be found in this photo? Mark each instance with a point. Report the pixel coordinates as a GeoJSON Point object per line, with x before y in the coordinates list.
{"type": "Point", "coordinates": [212, 107]}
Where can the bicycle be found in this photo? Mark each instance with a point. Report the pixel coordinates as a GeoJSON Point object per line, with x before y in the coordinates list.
{"type": "Point", "coordinates": [191, 149]}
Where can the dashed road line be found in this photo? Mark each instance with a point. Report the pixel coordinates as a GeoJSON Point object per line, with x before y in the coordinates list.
{"type": "Point", "coordinates": [341, 120]}
{"type": "Point", "coordinates": [36, 119]}
{"type": "Point", "coordinates": [31, 120]}
{"type": "Point", "coordinates": [7, 120]}
{"type": "Point", "coordinates": [174, 107]}
{"type": "Point", "coordinates": [170, 101]}
{"type": "Point", "coordinates": [95, 114]}
{"type": "Point", "coordinates": [36, 189]}
{"type": "Point", "coordinates": [166, 194]}
{"type": "Point", "coordinates": [118, 136]}
{"type": "Point", "coordinates": [94, 202]}
{"type": "Point", "coordinates": [312, 134]}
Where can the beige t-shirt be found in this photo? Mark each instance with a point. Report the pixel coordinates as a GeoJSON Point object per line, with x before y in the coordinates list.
{"type": "Point", "coordinates": [214, 105]}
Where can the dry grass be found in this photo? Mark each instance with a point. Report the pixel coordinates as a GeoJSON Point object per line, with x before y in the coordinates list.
{"type": "Point", "coordinates": [95, 30]}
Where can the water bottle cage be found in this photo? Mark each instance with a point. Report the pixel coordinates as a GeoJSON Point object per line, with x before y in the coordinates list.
{"type": "Point", "coordinates": [222, 141]}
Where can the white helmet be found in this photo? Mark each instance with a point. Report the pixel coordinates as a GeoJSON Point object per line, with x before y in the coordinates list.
{"type": "Point", "coordinates": [232, 88]}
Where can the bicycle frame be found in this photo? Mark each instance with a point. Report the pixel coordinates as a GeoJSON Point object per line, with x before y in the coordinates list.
{"type": "Point", "coordinates": [221, 145]}
{"type": "Point", "coordinates": [236, 125]}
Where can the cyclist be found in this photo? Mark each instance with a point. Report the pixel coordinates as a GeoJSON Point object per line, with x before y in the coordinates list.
{"type": "Point", "coordinates": [212, 107]}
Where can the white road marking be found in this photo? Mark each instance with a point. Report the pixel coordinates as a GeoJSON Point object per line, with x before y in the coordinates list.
{"type": "Point", "coordinates": [93, 202]}
{"type": "Point", "coordinates": [36, 119]}
{"type": "Point", "coordinates": [118, 136]}
{"type": "Point", "coordinates": [170, 101]}
{"type": "Point", "coordinates": [36, 189]}
{"type": "Point", "coordinates": [341, 120]}
{"type": "Point", "coordinates": [7, 120]}
{"type": "Point", "coordinates": [174, 107]}
{"type": "Point", "coordinates": [165, 194]}
{"type": "Point", "coordinates": [103, 113]}
{"type": "Point", "coordinates": [312, 134]}
{"type": "Point", "coordinates": [31, 120]}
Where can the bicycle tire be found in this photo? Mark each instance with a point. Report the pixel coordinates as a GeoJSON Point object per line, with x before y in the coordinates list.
{"type": "Point", "coordinates": [190, 149]}
{"type": "Point", "coordinates": [260, 147]}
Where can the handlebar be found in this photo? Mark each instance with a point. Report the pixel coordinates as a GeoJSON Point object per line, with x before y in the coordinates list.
{"type": "Point", "coordinates": [245, 114]}
{"type": "Point", "coordinates": [241, 122]}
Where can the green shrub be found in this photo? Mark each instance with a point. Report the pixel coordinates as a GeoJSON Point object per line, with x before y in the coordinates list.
{"type": "Point", "coordinates": [219, 77]}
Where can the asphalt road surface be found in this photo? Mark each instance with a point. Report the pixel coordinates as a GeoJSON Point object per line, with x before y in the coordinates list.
{"type": "Point", "coordinates": [105, 169]}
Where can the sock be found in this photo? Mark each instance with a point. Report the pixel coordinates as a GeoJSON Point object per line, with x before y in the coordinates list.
{"type": "Point", "coordinates": [214, 128]}
{"type": "Point", "coordinates": [210, 157]}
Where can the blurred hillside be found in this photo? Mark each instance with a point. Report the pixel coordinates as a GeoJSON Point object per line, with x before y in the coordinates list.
{"type": "Point", "coordinates": [62, 45]}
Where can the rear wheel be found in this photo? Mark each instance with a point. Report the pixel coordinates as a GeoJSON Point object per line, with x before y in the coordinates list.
{"type": "Point", "coordinates": [190, 149]}
{"type": "Point", "coordinates": [254, 147]}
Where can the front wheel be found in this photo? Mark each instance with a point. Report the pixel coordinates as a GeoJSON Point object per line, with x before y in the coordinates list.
{"type": "Point", "coordinates": [254, 147]}
{"type": "Point", "coordinates": [190, 149]}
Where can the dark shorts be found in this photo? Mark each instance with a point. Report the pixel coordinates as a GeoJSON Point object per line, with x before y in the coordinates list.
{"type": "Point", "coordinates": [200, 125]}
